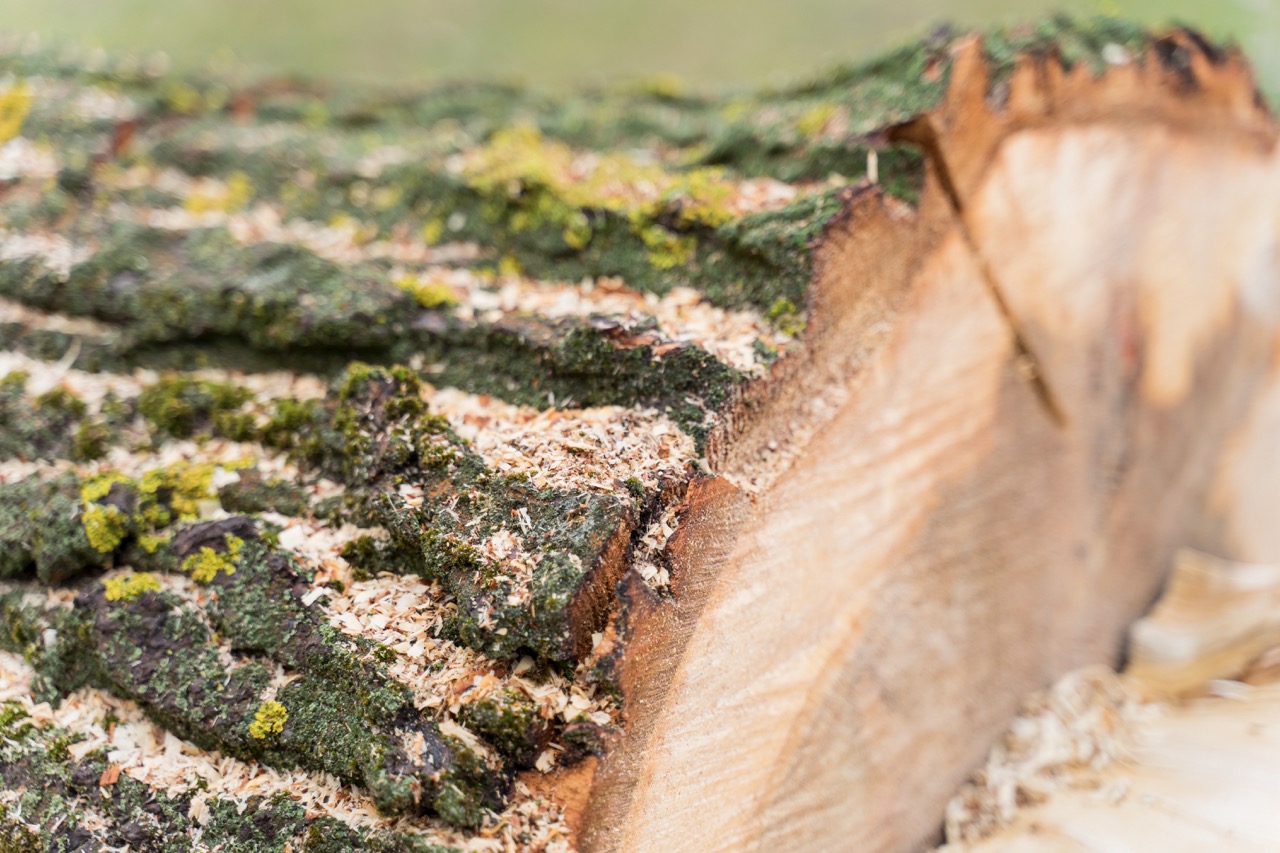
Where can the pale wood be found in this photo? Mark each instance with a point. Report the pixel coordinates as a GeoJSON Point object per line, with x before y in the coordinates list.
{"type": "Point", "coordinates": [1180, 752]}
{"type": "Point", "coordinates": [1018, 403]}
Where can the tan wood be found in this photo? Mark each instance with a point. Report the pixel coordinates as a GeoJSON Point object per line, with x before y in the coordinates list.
{"type": "Point", "coordinates": [1018, 402]}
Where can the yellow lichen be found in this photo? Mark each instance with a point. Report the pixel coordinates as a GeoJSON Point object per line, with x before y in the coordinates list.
{"type": "Point", "coordinates": [555, 184]}
{"type": "Point", "coordinates": [15, 103]}
{"type": "Point", "coordinates": [204, 565]}
{"type": "Point", "coordinates": [813, 121]}
{"type": "Point", "coordinates": [429, 293]}
{"type": "Point", "coordinates": [361, 232]}
{"type": "Point", "coordinates": [433, 230]}
{"type": "Point", "coordinates": [151, 542]}
{"type": "Point", "coordinates": [668, 86]}
{"type": "Point", "coordinates": [508, 266]}
{"type": "Point", "coordinates": [269, 720]}
{"type": "Point", "coordinates": [182, 97]}
{"type": "Point", "coordinates": [130, 586]}
{"type": "Point", "coordinates": [785, 316]}
{"type": "Point", "coordinates": [186, 485]}
{"type": "Point", "coordinates": [104, 526]}
{"type": "Point", "coordinates": [666, 249]}
{"type": "Point", "coordinates": [214, 196]}
{"type": "Point", "coordinates": [98, 486]}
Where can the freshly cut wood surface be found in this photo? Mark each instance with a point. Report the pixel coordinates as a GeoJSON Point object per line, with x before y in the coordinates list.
{"type": "Point", "coordinates": [1178, 752]}
{"type": "Point", "coordinates": [1041, 380]}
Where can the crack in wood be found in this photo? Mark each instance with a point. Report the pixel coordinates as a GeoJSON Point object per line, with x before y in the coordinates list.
{"type": "Point", "coordinates": [920, 132]}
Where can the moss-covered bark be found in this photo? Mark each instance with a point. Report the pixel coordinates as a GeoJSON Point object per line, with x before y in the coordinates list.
{"type": "Point", "coordinates": [341, 714]}
{"type": "Point", "coordinates": [64, 802]}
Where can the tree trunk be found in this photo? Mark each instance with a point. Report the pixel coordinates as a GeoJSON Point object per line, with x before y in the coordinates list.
{"type": "Point", "coordinates": [981, 335]}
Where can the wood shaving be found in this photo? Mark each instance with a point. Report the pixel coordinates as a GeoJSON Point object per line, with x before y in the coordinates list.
{"type": "Point", "coordinates": [593, 450]}
{"type": "Point", "coordinates": [1078, 727]}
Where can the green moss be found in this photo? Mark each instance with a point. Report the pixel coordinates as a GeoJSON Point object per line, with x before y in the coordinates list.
{"type": "Point", "coordinates": [180, 406]}
{"type": "Point", "coordinates": [55, 424]}
{"type": "Point", "coordinates": [41, 529]}
{"type": "Point", "coordinates": [56, 794]}
{"type": "Point", "coordinates": [91, 442]}
{"type": "Point", "coordinates": [60, 401]}
{"type": "Point", "coordinates": [510, 721]}
{"type": "Point", "coordinates": [252, 494]}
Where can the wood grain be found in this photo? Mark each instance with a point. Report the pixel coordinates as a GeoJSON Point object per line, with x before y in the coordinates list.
{"type": "Point", "coordinates": [938, 537]}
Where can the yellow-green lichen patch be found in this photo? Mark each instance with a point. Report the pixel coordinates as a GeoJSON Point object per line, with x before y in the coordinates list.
{"type": "Point", "coordinates": [15, 103]}
{"type": "Point", "coordinates": [186, 485]}
{"type": "Point", "coordinates": [130, 586]}
{"type": "Point", "coordinates": [269, 720]}
{"type": "Point", "coordinates": [105, 527]}
{"type": "Point", "coordinates": [97, 486]}
{"type": "Point", "coordinates": [204, 565]}
{"type": "Point", "coordinates": [213, 196]}
{"type": "Point", "coordinates": [560, 183]}
{"type": "Point", "coordinates": [151, 542]}
{"type": "Point", "coordinates": [429, 292]}
{"type": "Point", "coordinates": [814, 120]}
{"type": "Point", "coordinates": [786, 317]}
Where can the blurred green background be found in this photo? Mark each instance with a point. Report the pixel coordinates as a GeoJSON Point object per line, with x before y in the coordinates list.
{"type": "Point", "coordinates": [552, 42]}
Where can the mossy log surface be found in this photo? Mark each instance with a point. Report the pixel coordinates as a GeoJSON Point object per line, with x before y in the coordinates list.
{"type": "Point", "coordinates": [429, 261]}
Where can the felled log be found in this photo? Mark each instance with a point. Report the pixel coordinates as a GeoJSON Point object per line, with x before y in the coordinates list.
{"type": "Point", "coordinates": [625, 471]}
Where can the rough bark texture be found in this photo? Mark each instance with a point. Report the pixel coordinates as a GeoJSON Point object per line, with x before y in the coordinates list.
{"type": "Point", "coordinates": [738, 462]}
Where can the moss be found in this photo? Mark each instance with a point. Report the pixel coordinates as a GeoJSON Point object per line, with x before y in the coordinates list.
{"type": "Point", "coordinates": [268, 720]}
{"type": "Point", "coordinates": [60, 401]}
{"type": "Point", "coordinates": [41, 529]}
{"type": "Point", "coordinates": [57, 794]}
{"type": "Point", "coordinates": [180, 406]}
{"type": "Point", "coordinates": [368, 557]}
{"type": "Point", "coordinates": [130, 586]}
{"type": "Point", "coordinates": [55, 424]}
{"type": "Point", "coordinates": [157, 651]}
{"type": "Point", "coordinates": [90, 442]}
{"type": "Point", "coordinates": [375, 433]}
{"type": "Point", "coordinates": [252, 494]}
{"type": "Point", "coordinates": [511, 722]}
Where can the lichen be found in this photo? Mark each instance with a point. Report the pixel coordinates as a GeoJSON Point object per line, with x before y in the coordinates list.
{"type": "Point", "coordinates": [15, 104]}
{"type": "Point", "coordinates": [268, 720]}
{"type": "Point", "coordinates": [429, 294]}
{"type": "Point", "coordinates": [130, 586]}
{"type": "Point", "coordinates": [105, 527]}
{"type": "Point", "coordinates": [204, 565]}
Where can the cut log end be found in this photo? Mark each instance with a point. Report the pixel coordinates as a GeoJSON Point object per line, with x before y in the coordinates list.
{"type": "Point", "coordinates": [1016, 404]}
